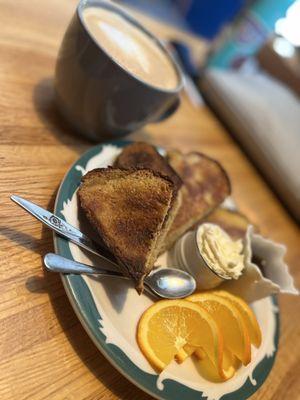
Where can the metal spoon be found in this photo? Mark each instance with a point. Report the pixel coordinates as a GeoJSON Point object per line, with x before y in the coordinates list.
{"type": "Point", "coordinates": [169, 283]}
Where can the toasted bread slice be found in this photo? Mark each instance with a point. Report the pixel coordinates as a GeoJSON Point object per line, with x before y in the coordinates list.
{"type": "Point", "coordinates": [144, 155]}
{"type": "Point", "coordinates": [205, 186]}
{"type": "Point", "coordinates": [129, 209]}
{"type": "Point", "coordinates": [233, 222]}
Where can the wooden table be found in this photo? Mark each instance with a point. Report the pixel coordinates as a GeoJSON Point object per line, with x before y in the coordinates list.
{"type": "Point", "coordinates": [44, 351]}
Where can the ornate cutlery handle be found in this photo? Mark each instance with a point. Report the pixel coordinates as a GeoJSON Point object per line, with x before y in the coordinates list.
{"type": "Point", "coordinates": [59, 226]}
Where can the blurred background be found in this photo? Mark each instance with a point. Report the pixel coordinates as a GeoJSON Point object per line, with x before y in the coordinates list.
{"type": "Point", "coordinates": [248, 72]}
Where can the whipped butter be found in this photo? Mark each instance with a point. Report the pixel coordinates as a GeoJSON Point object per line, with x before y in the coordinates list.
{"type": "Point", "coordinates": [223, 255]}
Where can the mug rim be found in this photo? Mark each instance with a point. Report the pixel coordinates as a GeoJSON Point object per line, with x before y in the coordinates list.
{"type": "Point", "coordinates": [83, 4]}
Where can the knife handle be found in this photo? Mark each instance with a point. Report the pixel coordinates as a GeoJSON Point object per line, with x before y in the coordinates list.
{"type": "Point", "coordinates": [60, 226]}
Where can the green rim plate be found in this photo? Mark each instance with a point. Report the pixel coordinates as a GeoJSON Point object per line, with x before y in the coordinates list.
{"type": "Point", "coordinates": [82, 301]}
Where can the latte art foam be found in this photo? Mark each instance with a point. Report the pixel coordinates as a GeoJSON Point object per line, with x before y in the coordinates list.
{"type": "Point", "coordinates": [133, 49]}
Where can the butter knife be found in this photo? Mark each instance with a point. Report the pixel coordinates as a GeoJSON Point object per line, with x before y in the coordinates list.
{"type": "Point", "coordinates": [60, 226]}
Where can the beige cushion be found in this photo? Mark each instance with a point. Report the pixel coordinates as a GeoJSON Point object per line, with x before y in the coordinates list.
{"type": "Point", "coordinates": [264, 116]}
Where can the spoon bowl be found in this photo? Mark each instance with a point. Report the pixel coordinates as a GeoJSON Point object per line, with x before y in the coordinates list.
{"type": "Point", "coordinates": [171, 283]}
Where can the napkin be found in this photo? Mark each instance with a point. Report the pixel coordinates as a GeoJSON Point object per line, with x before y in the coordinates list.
{"type": "Point", "coordinates": [271, 276]}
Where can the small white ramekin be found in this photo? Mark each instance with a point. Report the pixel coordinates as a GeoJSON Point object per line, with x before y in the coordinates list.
{"type": "Point", "coordinates": [186, 255]}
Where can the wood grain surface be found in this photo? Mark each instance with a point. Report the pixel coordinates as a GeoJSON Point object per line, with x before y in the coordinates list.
{"type": "Point", "coordinates": [44, 351]}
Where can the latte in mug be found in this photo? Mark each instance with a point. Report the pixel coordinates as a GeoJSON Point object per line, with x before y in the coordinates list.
{"type": "Point", "coordinates": [130, 47]}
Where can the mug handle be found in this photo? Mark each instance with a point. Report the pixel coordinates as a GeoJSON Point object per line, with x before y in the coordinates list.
{"type": "Point", "coordinates": [173, 107]}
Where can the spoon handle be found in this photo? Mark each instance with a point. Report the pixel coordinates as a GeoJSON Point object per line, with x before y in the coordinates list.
{"type": "Point", "coordinates": [60, 226]}
{"type": "Point", "coordinates": [56, 263]}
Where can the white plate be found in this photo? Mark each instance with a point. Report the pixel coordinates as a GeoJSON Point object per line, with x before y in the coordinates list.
{"type": "Point", "coordinates": [109, 310]}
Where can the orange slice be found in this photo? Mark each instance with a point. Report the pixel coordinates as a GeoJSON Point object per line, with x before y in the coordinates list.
{"type": "Point", "coordinates": [168, 325]}
{"type": "Point", "coordinates": [208, 370]}
{"type": "Point", "coordinates": [187, 351]}
{"type": "Point", "coordinates": [230, 322]}
{"type": "Point", "coordinates": [183, 354]}
{"type": "Point", "coordinates": [247, 315]}
{"type": "Point", "coordinates": [206, 367]}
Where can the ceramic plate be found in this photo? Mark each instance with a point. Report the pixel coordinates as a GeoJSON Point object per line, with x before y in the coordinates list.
{"type": "Point", "coordinates": [109, 310]}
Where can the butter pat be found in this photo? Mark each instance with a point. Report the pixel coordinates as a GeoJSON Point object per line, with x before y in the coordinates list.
{"type": "Point", "coordinates": [222, 255]}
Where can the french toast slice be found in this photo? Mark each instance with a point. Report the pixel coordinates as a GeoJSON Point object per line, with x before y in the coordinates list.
{"type": "Point", "coordinates": [129, 209]}
{"type": "Point", "coordinates": [144, 155]}
{"type": "Point", "coordinates": [205, 187]}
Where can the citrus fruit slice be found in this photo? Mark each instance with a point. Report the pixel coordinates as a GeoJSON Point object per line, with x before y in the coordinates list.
{"type": "Point", "coordinates": [183, 354]}
{"type": "Point", "coordinates": [208, 370]}
{"type": "Point", "coordinates": [247, 315]}
{"type": "Point", "coordinates": [230, 322]}
{"type": "Point", "coordinates": [168, 325]}
{"type": "Point", "coordinates": [187, 351]}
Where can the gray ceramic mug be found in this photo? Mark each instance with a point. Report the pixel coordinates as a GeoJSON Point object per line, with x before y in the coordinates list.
{"type": "Point", "coordinates": [100, 98]}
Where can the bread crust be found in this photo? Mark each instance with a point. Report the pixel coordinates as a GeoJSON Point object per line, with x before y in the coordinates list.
{"type": "Point", "coordinates": [143, 155]}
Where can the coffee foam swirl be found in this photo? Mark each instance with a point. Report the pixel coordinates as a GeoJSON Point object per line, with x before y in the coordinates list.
{"type": "Point", "coordinates": [130, 47]}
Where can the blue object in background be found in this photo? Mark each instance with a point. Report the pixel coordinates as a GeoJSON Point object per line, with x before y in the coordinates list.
{"type": "Point", "coordinates": [208, 17]}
